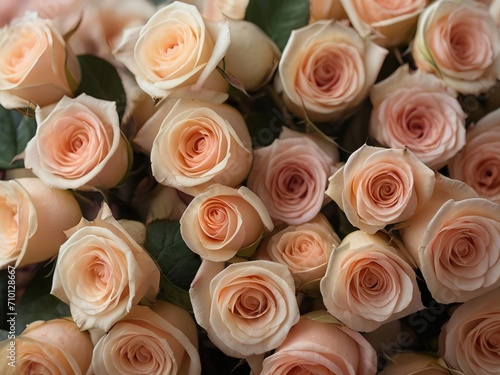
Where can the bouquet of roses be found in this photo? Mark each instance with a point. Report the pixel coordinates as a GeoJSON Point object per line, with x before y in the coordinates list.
{"type": "Point", "coordinates": [250, 187]}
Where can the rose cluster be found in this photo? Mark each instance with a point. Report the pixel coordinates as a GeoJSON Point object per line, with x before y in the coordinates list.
{"type": "Point", "coordinates": [329, 183]}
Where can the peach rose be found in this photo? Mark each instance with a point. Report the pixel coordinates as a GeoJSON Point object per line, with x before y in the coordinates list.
{"type": "Point", "coordinates": [158, 340]}
{"type": "Point", "coordinates": [54, 346]}
{"type": "Point", "coordinates": [247, 308]}
{"type": "Point", "coordinates": [388, 23]}
{"type": "Point", "coordinates": [455, 241]}
{"type": "Point", "coordinates": [459, 41]}
{"type": "Point", "coordinates": [177, 51]}
{"type": "Point", "coordinates": [469, 340]}
{"type": "Point", "coordinates": [378, 186]}
{"type": "Point", "coordinates": [198, 144]}
{"type": "Point", "coordinates": [101, 272]}
{"type": "Point", "coordinates": [234, 9]}
{"type": "Point", "coordinates": [33, 220]}
{"type": "Point", "coordinates": [327, 69]}
{"type": "Point", "coordinates": [291, 187]}
{"type": "Point", "coordinates": [78, 144]}
{"type": "Point", "coordinates": [369, 282]}
{"type": "Point", "coordinates": [416, 364]}
{"type": "Point", "coordinates": [321, 347]}
{"type": "Point", "coordinates": [36, 65]}
{"type": "Point", "coordinates": [416, 110]}
{"type": "Point", "coordinates": [478, 163]}
{"type": "Point", "coordinates": [326, 10]}
{"type": "Point", "coordinates": [223, 220]}
{"type": "Point", "coordinates": [304, 249]}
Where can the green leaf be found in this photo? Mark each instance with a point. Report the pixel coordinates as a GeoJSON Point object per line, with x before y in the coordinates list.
{"type": "Point", "coordinates": [277, 18]}
{"type": "Point", "coordinates": [177, 263]}
{"type": "Point", "coordinates": [15, 132]}
{"type": "Point", "coordinates": [101, 80]}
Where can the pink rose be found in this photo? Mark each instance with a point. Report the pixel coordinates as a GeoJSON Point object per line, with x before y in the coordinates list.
{"type": "Point", "coordinates": [416, 364]}
{"type": "Point", "coordinates": [291, 187]}
{"type": "Point", "coordinates": [327, 69]}
{"type": "Point", "coordinates": [378, 186]}
{"type": "Point", "coordinates": [459, 41]}
{"type": "Point", "coordinates": [416, 110]}
{"type": "Point", "coordinates": [478, 163]}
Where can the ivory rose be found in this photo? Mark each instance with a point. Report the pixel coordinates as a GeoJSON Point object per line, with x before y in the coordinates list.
{"type": "Point", "coordinates": [101, 272]}
{"type": "Point", "coordinates": [327, 69]}
{"type": "Point", "coordinates": [459, 41]}
{"type": "Point", "coordinates": [161, 340]}
{"type": "Point", "coordinates": [54, 346]}
{"type": "Point", "coordinates": [292, 187]}
{"type": "Point", "coordinates": [33, 220]}
{"type": "Point", "coordinates": [78, 144]}
{"type": "Point", "coordinates": [247, 308]}
{"type": "Point", "coordinates": [177, 51]}
{"type": "Point", "coordinates": [469, 340]}
{"type": "Point", "coordinates": [304, 249]}
{"type": "Point", "coordinates": [369, 281]}
{"type": "Point", "coordinates": [378, 186]}
{"type": "Point", "coordinates": [416, 110]}
{"type": "Point", "coordinates": [218, 223]}
{"type": "Point", "coordinates": [478, 163]}
{"type": "Point", "coordinates": [455, 241]}
{"type": "Point", "coordinates": [416, 364]}
{"type": "Point", "coordinates": [321, 347]}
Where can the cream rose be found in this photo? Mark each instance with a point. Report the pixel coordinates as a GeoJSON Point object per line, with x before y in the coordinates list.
{"type": "Point", "coordinates": [78, 144]}
{"type": "Point", "coordinates": [469, 340]}
{"type": "Point", "coordinates": [247, 308]}
{"type": "Point", "coordinates": [478, 163]}
{"type": "Point", "coordinates": [369, 282]}
{"type": "Point", "coordinates": [36, 65]}
{"type": "Point", "coordinates": [304, 249]}
{"type": "Point", "coordinates": [177, 51]}
{"type": "Point", "coordinates": [33, 218]}
{"type": "Point", "coordinates": [197, 145]}
{"type": "Point", "coordinates": [317, 346]}
{"type": "Point", "coordinates": [416, 364]}
{"type": "Point", "coordinates": [101, 272]}
{"type": "Point", "coordinates": [327, 69]}
{"type": "Point", "coordinates": [455, 241]}
{"type": "Point", "coordinates": [459, 41]}
{"type": "Point", "coordinates": [161, 340]}
{"type": "Point", "coordinates": [292, 187]}
{"type": "Point", "coordinates": [223, 220]}
{"type": "Point", "coordinates": [416, 110]}
{"type": "Point", "coordinates": [378, 186]}
{"type": "Point", "coordinates": [54, 346]}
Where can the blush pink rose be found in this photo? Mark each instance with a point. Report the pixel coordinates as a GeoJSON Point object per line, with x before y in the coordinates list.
{"type": "Point", "coordinates": [379, 186]}
{"type": "Point", "coordinates": [478, 163]}
{"type": "Point", "coordinates": [459, 41]}
{"type": "Point", "coordinates": [416, 364]}
{"type": "Point", "coordinates": [416, 110]}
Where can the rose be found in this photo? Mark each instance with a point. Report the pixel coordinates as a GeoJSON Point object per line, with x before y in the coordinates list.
{"type": "Point", "coordinates": [379, 186]}
{"type": "Point", "coordinates": [36, 65]}
{"type": "Point", "coordinates": [455, 241]}
{"type": "Point", "coordinates": [176, 51]}
{"type": "Point", "coordinates": [197, 145]}
{"type": "Point", "coordinates": [327, 69]}
{"type": "Point", "coordinates": [321, 346]}
{"type": "Point", "coordinates": [469, 340]}
{"type": "Point", "coordinates": [54, 346]}
{"type": "Point", "coordinates": [304, 249]}
{"type": "Point", "coordinates": [78, 144]}
{"type": "Point", "coordinates": [478, 163]}
{"type": "Point", "coordinates": [459, 41]}
{"type": "Point", "coordinates": [158, 340]}
{"type": "Point", "coordinates": [218, 223]}
{"type": "Point", "coordinates": [416, 364]}
{"type": "Point", "coordinates": [101, 272]}
{"type": "Point", "coordinates": [291, 187]}
{"type": "Point", "coordinates": [416, 110]}
{"type": "Point", "coordinates": [326, 10]}
{"type": "Point", "coordinates": [33, 220]}
{"type": "Point", "coordinates": [247, 308]}
{"type": "Point", "coordinates": [389, 23]}
{"type": "Point", "coordinates": [233, 9]}
{"type": "Point", "coordinates": [369, 282]}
